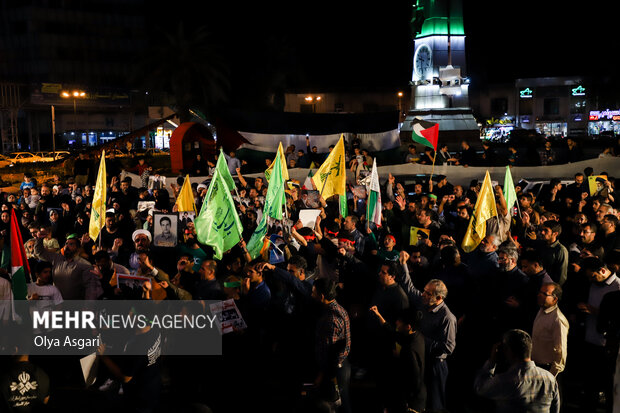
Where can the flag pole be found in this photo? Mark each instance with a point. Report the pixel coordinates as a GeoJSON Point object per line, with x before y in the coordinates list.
{"type": "Point", "coordinates": [104, 201]}
{"type": "Point", "coordinates": [433, 168]}
{"type": "Point", "coordinates": [285, 207]}
{"type": "Point", "coordinates": [519, 209]}
{"type": "Point", "coordinates": [325, 182]}
{"type": "Point", "coordinates": [497, 213]}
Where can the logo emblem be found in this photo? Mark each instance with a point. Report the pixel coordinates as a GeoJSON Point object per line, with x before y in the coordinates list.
{"type": "Point", "coordinates": [24, 385]}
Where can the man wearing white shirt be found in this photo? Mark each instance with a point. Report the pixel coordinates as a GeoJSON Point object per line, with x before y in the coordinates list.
{"type": "Point", "coordinates": [550, 331]}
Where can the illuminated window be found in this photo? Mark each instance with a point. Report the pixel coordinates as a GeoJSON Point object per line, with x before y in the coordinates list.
{"type": "Point", "coordinates": [578, 106]}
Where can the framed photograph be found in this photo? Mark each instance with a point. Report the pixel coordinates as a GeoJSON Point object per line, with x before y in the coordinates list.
{"type": "Point", "coordinates": [165, 229]}
{"type": "Point", "coordinates": [185, 218]}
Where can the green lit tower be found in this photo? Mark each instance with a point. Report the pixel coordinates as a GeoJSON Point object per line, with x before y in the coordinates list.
{"type": "Point", "coordinates": [439, 83]}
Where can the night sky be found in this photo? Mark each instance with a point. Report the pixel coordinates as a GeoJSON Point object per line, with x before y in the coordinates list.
{"type": "Point", "coordinates": [358, 45]}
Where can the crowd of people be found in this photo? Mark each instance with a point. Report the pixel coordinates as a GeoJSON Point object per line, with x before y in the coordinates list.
{"type": "Point", "coordinates": [352, 316]}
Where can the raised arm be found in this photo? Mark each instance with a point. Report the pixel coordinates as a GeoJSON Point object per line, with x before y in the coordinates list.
{"type": "Point", "coordinates": [404, 279]}
{"type": "Point", "coordinates": [242, 180]}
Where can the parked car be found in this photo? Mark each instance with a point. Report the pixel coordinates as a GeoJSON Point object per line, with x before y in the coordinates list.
{"type": "Point", "coordinates": [59, 155]}
{"type": "Point", "coordinates": [23, 157]}
{"type": "Point", "coordinates": [117, 152]}
{"type": "Point", "coordinates": [154, 152]}
{"type": "Point", "coordinates": [4, 161]}
{"type": "Point", "coordinates": [539, 187]}
{"type": "Point", "coordinates": [45, 156]}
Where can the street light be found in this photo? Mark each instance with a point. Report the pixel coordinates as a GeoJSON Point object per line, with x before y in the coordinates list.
{"type": "Point", "coordinates": [75, 94]}
{"type": "Point", "coordinates": [53, 133]}
{"type": "Point", "coordinates": [400, 110]}
{"type": "Point", "coordinates": [313, 101]}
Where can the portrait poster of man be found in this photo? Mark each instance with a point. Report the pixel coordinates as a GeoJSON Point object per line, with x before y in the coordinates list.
{"type": "Point", "coordinates": [185, 218]}
{"type": "Point", "coordinates": [165, 229]}
{"type": "Point", "coordinates": [418, 235]}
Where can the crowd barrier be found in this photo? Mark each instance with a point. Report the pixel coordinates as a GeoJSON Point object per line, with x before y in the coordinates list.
{"type": "Point", "coordinates": [457, 175]}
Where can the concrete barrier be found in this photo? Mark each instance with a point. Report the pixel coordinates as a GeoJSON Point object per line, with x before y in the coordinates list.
{"type": "Point", "coordinates": [457, 175]}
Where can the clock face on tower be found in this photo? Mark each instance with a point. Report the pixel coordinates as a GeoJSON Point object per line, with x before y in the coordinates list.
{"type": "Point", "coordinates": [423, 61]}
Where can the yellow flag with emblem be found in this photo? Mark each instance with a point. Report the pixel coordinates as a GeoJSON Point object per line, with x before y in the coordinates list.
{"type": "Point", "coordinates": [98, 205]}
{"type": "Point", "coordinates": [185, 200]}
{"type": "Point", "coordinates": [279, 153]}
{"type": "Point", "coordinates": [485, 208]}
{"type": "Point", "coordinates": [331, 178]}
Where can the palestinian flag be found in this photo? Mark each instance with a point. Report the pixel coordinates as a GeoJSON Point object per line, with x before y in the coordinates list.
{"type": "Point", "coordinates": [19, 262]}
{"type": "Point", "coordinates": [308, 182]}
{"type": "Point", "coordinates": [425, 133]}
{"type": "Point", "coordinates": [373, 205]}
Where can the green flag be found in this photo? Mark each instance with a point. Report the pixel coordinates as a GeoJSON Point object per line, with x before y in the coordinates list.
{"type": "Point", "coordinates": [274, 203]}
{"type": "Point", "coordinates": [222, 167]}
{"type": "Point", "coordinates": [509, 189]}
{"type": "Point", "coordinates": [218, 224]}
{"type": "Point", "coordinates": [275, 199]}
{"type": "Point", "coordinates": [344, 210]}
{"type": "Point", "coordinates": [255, 244]}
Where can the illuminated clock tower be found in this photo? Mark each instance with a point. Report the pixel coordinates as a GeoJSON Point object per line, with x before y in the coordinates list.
{"type": "Point", "coordinates": [439, 83]}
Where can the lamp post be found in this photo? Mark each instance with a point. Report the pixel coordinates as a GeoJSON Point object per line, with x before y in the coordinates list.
{"type": "Point", "coordinates": [400, 108]}
{"type": "Point", "coordinates": [53, 133]}
{"type": "Point", "coordinates": [313, 101]}
{"type": "Point", "coordinates": [76, 94]}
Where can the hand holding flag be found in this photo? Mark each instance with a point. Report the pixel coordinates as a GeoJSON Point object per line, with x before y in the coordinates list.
{"type": "Point", "coordinates": [485, 208]}
{"type": "Point", "coordinates": [98, 208]}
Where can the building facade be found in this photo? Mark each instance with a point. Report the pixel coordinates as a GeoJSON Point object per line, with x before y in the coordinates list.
{"type": "Point", "coordinates": [54, 48]}
{"type": "Point", "coordinates": [552, 106]}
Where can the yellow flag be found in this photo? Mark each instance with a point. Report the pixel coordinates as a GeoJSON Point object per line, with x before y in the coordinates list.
{"type": "Point", "coordinates": [485, 208]}
{"type": "Point", "coordinates": [331, 178]}
{"type": "Point", "coordinates": [279, 153]}
{"type": "Point", "coordinates": [185, 200]}
{"type": "Point", "coordinates": [98, 206]}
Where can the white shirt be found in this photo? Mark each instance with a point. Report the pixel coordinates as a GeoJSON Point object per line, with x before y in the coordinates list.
{"type": "Point", "coordinates": [549, 338]}
{"type": "Point", "coordinates": [6, 299]}
{"type": "Point", "coordinates": [46, 292]}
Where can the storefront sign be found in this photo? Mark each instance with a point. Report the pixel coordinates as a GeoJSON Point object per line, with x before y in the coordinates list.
{"type": "Point", "coordinates": [495, 121]}
{"type": "Point", "coordinates": [526, 93]}
{"type": "Point", "coordinates": [53, 88]}
{"type": "Point", "coordinates": [603, 114]}
{"type": "Point", "coordinates": [579, 91]}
